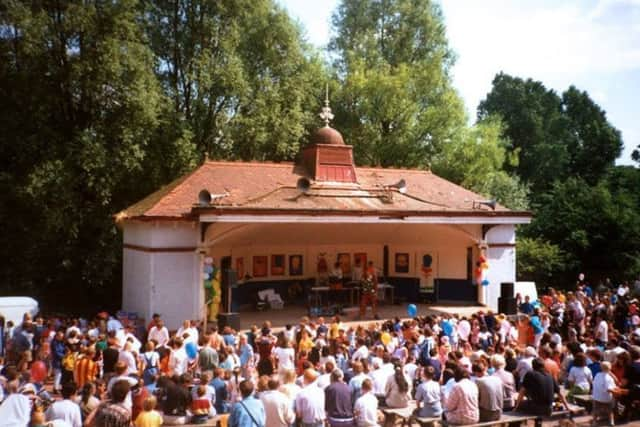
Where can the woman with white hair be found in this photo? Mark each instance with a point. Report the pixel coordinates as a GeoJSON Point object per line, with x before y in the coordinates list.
{"type": "Point", "coordinates": [508, 381]}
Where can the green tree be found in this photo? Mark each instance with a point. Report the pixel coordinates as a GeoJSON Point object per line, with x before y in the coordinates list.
{"type": "Point", "coordinates": [598, 229]}
{"type": "Point", "coordinates": [396, 104]}
{"type": "Point", "coordinates": [241, 81]}
{"type": "Point", "coordinates": [79, 105]}
{"type": "Point", "coordinates": [539, 261]}
{"type": "Point", "coordinates": [554, 137]}
{"type": "Point", "coordinates": [594, 144]}
{"type": "Point", "coordinates": [534, 125]}
{"type": "Point", "coordinates": [475, 159]}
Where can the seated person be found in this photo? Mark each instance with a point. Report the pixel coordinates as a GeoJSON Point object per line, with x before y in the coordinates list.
{"type": "Point", "coordinates": [200, 406]}
{"type": "Point", "coordinates": [539, 387]}
{"type": "Point", "coordinates": [428, 395]}
{"type": "Point", "coordinates": [461, 405]}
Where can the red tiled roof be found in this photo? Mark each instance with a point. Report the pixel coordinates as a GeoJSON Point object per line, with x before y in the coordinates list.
{"type": "Point", "coordinates": [259, 186]}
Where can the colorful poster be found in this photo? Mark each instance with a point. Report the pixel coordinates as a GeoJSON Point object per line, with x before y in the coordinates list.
{"type": "Point", "coordinates": [277, 265]}
{"type": "Point", "coordinates": [295, 265]}
{"type": "Point", "coordinates": [344, 259]}
{"type": "Point", "coordinates": [402, 262]}
{"type": "Point", "coordinates": [260, 265]}
{"type": "Point", "coordinates": [427, 270]}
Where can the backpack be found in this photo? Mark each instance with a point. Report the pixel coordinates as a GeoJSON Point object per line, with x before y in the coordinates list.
{"type": "Point", "coordinates": [69, 361]}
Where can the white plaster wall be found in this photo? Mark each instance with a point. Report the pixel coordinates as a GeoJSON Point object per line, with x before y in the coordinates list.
{"type": "Point", "coordinates": [137, 276]}
{"type": "Point", "coordinates": [175, 292]}
{"type": "Point", "coordinates": [162, 282]}
{"type": "Point", "coordinates": [502, 261]}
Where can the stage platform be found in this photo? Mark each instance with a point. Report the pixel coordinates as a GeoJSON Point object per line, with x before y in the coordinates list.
{"type": "Point", "coordinates": [292, 314]}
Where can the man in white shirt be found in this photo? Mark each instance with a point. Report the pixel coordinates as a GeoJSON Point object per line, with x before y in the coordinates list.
{"type": "Point", "coordinates": [277, 406]}
{"type": "Point", "coordinates": [159, 333]}
{"type": "Point", "coordinates": [324, 380]}
{"type": "Point", "coordinates": [310, 402]}
{"type": "Point", "coordinates": [366, 407]}
{"type": "Point", "coordinates": [128, 359]}
{"type": "Point", "coordinates": [602, 331]}
{"type": "Point", "coordinates": [66, 409]}
{"type": "Point", "coordinates": [178, 360]}
{"type": "Point", "coordinates": [362, 353]}
{"type": "Point", "coordinates": [188, 332]}
{"type": "Point", "coordinates": [379, 378]}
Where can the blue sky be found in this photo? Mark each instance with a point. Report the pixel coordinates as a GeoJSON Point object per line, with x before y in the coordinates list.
{"type": "Point", "coordinates": [592, 44]}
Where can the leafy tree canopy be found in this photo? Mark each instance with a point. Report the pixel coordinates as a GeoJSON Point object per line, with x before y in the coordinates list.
{"type": "Point", "coordinates": [396, 104]}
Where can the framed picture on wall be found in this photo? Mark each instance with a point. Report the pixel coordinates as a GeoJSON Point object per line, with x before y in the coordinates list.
{"type": "Point", "coordinates": [295, 265]}
{"type": "Point", "coordinates": [260, 265]}
{"type": "Point", "coordinates": [344, 259]}
{"type": "Point", "coordinates": [360, 258]}
{"type": "Point", "coordinates": [277, 265]}
{"type": "Point", "coordinates": [240, 268]}
{"type": "Point", "coordinates": [402, 262]}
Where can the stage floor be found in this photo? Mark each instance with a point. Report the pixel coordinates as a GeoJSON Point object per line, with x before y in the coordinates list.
{"type": "Point", "coordinates": [292, 314]}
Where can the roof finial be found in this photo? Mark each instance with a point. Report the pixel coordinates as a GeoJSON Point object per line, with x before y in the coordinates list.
{"type": "Point", "coordinates": [326, 115]}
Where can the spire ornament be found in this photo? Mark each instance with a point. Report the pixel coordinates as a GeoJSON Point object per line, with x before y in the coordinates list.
{"type": "Point", "coordinates": [326, 115]}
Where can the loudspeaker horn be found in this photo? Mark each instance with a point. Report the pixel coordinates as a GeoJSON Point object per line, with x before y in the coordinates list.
{"type": "Point", "coordinates": [401, 186]}
{"type": "Point", "coordinates": [303, 185]}
{"type": "Point", "coordinates": [204, 198]}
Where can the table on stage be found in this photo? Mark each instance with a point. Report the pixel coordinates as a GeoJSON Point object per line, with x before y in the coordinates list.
{"type": "Point", "coordinates": [383, 288]}
{"type": "Point", "coordinates": [354, 293]}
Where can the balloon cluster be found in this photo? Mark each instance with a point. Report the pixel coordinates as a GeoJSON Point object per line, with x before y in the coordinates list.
{"type": "Point", "coordinates": [212, 282]}
{"type": "Point", "coordinates": [481, 270]}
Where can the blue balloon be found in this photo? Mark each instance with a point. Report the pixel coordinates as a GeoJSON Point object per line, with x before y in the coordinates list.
{"type": "Point", "coordinates": [208, 269]}
{"type": "Point", "coordinates": [192, 350]}
{"type": "Point", "coordinates": [485, 282]}
{"type": "Point", "coordinates": [412, 310]}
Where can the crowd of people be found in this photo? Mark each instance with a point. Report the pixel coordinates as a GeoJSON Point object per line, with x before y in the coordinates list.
{"type": "Point", "coordinates": [465, 369]}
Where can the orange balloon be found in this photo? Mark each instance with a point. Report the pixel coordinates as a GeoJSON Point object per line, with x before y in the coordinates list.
{"type": "Point", "coordinates": [38, 371]}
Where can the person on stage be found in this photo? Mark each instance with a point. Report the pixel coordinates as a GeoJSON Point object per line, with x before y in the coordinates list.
{"type": "Point", "coordinates": [369, 291]}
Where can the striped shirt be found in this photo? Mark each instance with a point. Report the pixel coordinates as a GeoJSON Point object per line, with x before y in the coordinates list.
{"type": "Point", "coordinates": [85, 371]}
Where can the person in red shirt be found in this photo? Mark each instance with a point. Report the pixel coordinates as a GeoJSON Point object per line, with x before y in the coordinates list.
{"type": "Point", "coordinates": [369, 291]}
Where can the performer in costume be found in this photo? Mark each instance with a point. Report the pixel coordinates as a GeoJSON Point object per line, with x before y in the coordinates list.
{"type": "Point", "coordinates": [369, 290]}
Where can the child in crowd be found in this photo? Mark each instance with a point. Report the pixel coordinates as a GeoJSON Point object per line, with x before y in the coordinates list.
{"type": "Point", "coordinates": [149, 417]}
{"type": "Point", "coordinates": [200, 406]}
{"type": "Point", "coordinates": [602, 394]}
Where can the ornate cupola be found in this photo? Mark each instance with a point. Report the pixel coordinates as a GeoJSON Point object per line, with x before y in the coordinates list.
{"type": "Point", "coordinates": [327, 158]}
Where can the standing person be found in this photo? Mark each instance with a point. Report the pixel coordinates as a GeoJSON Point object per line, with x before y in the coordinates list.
{"type": "Point", "coordinates": [277, 407]}
{"type": "Point", "coordinates": [284, 355]}
{"type": "Point", "coordinates": [178, 360]}
{"type": "Point", "coordinates": [338, 403]}
{"type": "Point", "coordinates": [86, 368]}
{"type": "Point", "coordinates": [207, 356]}
{"type": "Point", "coordinates": [66, 409]}
{"type": "Point", "coordinates": [602, 394]}
{"type": "Point", "coordinates": [246, 355]}
{"type": "Point", "coordinates": [114, 412]}
{"type": "Point", "coordinates": [151, 361]}
{"type": "Point", "coordinates": [365, 409]}
{"type": "Point", "coordinates": [58, 349]}
{"type": "Point", "coordinates": [369, 291]}
{"type": "Point", "coordinates": [159, 333]}
{"type": "Point", "coordinates": [310, 401]}
{"type": "Point", "coordinates": [490, 393]}
{"type": "Point", "coordinates": [461, 406]}
{"type": "Point", "coordinates": [248, 412]}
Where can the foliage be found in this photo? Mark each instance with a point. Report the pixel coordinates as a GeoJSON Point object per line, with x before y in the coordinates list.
{"type": "Point", "coordinates": [396, 104]}
{"type": "Point", "coordinates": [241, 82]}
{"type": "Point", "coordinates": [475, 157]}
{"type": "Point", "coordinates": [539, 260]}
{"type": "Point", "coordinates": [596, 226]}
{"type": "Point", "coordinates": [554, 137]}
{"type": "Point", "coordinates": [78, 106]}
